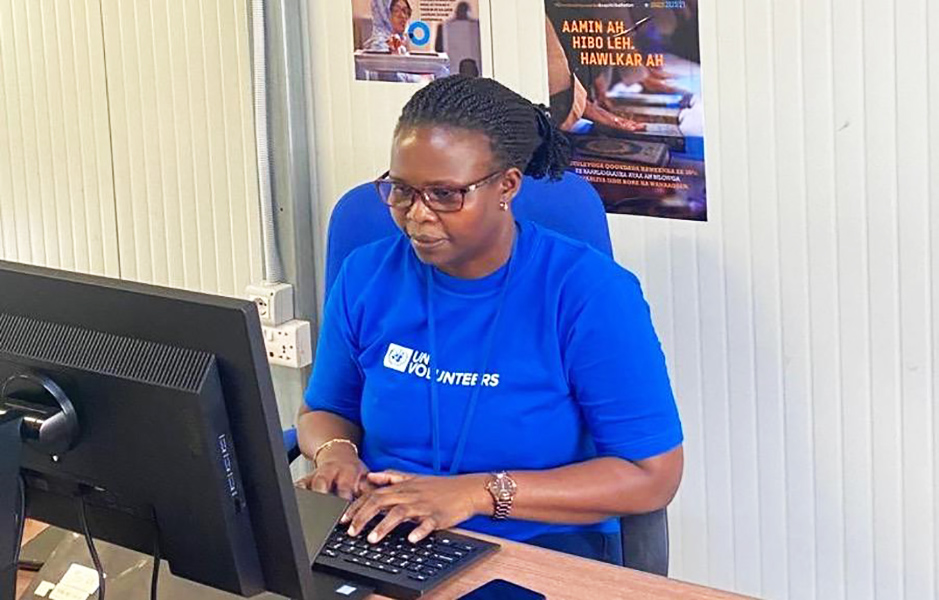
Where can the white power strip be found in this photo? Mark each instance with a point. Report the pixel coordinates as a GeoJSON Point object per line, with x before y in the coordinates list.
{"type": "Point", "coordinates": [289, 344]}
{"type": "Point", "coordinates": [274, 301]}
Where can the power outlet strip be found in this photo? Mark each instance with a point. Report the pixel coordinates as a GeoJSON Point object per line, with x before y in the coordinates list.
{"type": "Point", "coordinates": [289, 344]}
{"type": "Point", "coordinates": [274, 301]}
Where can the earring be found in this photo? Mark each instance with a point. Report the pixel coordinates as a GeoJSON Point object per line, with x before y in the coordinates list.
{"type": "Point", "coordinates": [503, 205]}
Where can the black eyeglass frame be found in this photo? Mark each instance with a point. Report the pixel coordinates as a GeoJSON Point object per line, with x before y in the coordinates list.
{"type": "Point", "coordinates": [425, 195]}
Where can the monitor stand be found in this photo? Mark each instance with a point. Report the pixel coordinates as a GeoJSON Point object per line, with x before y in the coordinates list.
{"type": "Point", "coordinates": [34, 410]}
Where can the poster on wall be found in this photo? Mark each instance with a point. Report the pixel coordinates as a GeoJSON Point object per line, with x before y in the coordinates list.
{"type": "Point", "coordinates": [625, 84]}
{"type": "Point", "coordinates": [415, 40]}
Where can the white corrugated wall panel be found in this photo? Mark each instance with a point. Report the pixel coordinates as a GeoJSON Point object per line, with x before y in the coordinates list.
{"type": "Point", "coordinates": [853, 309]}
{"type": "Point", "coordinates": [799, 322]}
{"type": "Point", "coordinates": [179, 81]}
{"type": "Point", "coordinates": [56, 191]}
{"type": "Point", "coordinates": [931, 122]}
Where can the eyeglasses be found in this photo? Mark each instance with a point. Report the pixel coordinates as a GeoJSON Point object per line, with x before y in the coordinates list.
{"type": "Point", "coordinates": [438, 198]}
{"type": "Point", "coordinates": [402, 10]}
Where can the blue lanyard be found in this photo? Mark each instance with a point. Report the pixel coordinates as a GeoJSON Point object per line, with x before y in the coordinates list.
{"type": "Point", "coordinates": [477, 388]}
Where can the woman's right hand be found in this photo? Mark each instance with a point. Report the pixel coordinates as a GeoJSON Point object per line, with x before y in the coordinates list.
{"type": "Point", "coordinates": [339, 471]}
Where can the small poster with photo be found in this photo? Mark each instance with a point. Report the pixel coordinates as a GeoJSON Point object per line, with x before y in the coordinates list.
{"type": "Point", "coordinates": [415, 41]}
{"type": "Point", "coordinates": [625, 85]}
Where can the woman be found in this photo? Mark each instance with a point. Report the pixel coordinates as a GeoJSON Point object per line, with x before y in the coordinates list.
{"type": "Point", "coordinates": [570, 100]}
{"type": "Point", "coordinates": [549, 412]}
{"type": "Point", "coordinates": [389, 23]}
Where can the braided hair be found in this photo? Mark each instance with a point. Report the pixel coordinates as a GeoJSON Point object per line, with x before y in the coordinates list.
{"type": "Point", "coordinates": [521, 134]}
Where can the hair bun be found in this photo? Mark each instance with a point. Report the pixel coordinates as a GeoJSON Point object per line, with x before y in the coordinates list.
{"type": "Point", "coordinates": [545, 124]}
{"type": "Point", "coordinates": [552, 156]}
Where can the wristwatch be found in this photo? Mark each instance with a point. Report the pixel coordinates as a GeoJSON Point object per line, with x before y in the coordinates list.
{"type": "Point", "coordinates": [502, 488]}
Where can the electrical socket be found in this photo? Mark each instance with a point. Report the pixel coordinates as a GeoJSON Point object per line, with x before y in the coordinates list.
{"type": "Point", "coordinates": [289, 344]}
{"type": "Point", "coordinates": [274, 301]}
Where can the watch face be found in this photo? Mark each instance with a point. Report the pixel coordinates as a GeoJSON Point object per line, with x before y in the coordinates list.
{"type": "Point", "coordinates": [504, 485]}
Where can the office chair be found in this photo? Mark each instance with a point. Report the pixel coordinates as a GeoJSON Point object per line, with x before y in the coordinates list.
{"type": "Point", "coordinates": [571, 207]}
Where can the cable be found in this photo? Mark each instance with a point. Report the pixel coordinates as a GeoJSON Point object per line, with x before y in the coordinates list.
{"type": "Point", "coordinates": [156, 566]}
{"type": "Point", "coordinates": [273, 264]}
{"type": "Point", "coordinates": [91, 546]}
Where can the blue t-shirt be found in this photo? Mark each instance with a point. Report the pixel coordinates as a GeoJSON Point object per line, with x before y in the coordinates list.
{"type": "Point", "coordinates": [576, 369]}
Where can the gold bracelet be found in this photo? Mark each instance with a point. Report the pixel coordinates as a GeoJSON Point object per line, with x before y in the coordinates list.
{"type": "Point", "coordinates": [330, 443]}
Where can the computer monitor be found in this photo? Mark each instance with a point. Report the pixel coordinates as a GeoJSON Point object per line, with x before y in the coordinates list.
{"type": "Point", "coordinates": [155, 407]}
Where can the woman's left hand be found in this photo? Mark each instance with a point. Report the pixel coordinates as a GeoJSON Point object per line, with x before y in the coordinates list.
{"type": "Point", "coordinates": [432, 502]}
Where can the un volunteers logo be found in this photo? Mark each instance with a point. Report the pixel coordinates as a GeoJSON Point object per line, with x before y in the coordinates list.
{"type": "Point", "coordinates": [398, 357]}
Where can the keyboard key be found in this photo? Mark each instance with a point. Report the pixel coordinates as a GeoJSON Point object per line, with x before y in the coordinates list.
{"type": "Point", "coordinates": [348, 549]}
{"type": "Point", "coordinates": [331, 553]}
{"type": "Point", "coordinates": [434, 564]}
{"type": "Point", "coordinates": [443, 558]}
{"type": "Point", "coordinates": [374, 556]}
{"type": "Point", "coordinates": [417, 576]}
{"type": "Point", "coordinates": [391, 570]}
{"type": "Point", "coordinates": [428, 571]}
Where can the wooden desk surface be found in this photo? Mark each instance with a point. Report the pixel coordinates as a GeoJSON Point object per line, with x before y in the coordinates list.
{"type": "Point", "coordinates": [556, 575]}
{"type": "Point", "coordinates": [24, 578]}
{"type": "Point", "coordinates": [562, 576]}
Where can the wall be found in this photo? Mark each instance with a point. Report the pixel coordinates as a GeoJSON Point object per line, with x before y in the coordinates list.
{"type": "Point", "coordinates": [57, 202]}
{"type": "Point", "coordinates": [799, 322]}
{"type": "Point", "coordinates": [127, 147]}
{"type": "Point", "coordinates": [127, 141]}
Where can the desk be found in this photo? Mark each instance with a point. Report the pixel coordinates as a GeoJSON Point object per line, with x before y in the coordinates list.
{"type": "Point", "coordinates": [562, 576]}
{"type": "Point", "coordinates": [24, 578]}
{"type": "Point", "coordinates": [558, 576]}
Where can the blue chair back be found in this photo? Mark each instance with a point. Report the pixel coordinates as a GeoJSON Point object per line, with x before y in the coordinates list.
{"type": "Point", "coordinates": [569, 206]}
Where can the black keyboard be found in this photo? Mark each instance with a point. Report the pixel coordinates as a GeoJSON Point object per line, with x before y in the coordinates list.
{"type": "Point", "coordinates": [396, 567]}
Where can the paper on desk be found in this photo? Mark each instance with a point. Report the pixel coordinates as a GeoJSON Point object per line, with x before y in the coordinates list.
{"type": "Point", "coordinates": [64, 592]}
{"type": "Point", "coordinates": [43, 588]}
{"type": "Point", "coordinates": [78, 583]}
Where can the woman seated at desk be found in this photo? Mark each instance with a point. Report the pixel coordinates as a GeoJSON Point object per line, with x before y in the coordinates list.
{"type": "Point", "coordinates": [551, 411]}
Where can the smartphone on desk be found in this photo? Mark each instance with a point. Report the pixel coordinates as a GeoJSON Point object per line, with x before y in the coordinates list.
{"type": "Point", "coordinates": [500, 589]}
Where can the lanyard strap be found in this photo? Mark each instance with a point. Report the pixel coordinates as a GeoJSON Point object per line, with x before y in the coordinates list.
{"type": "Point", "coordinates": [477, 387]}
